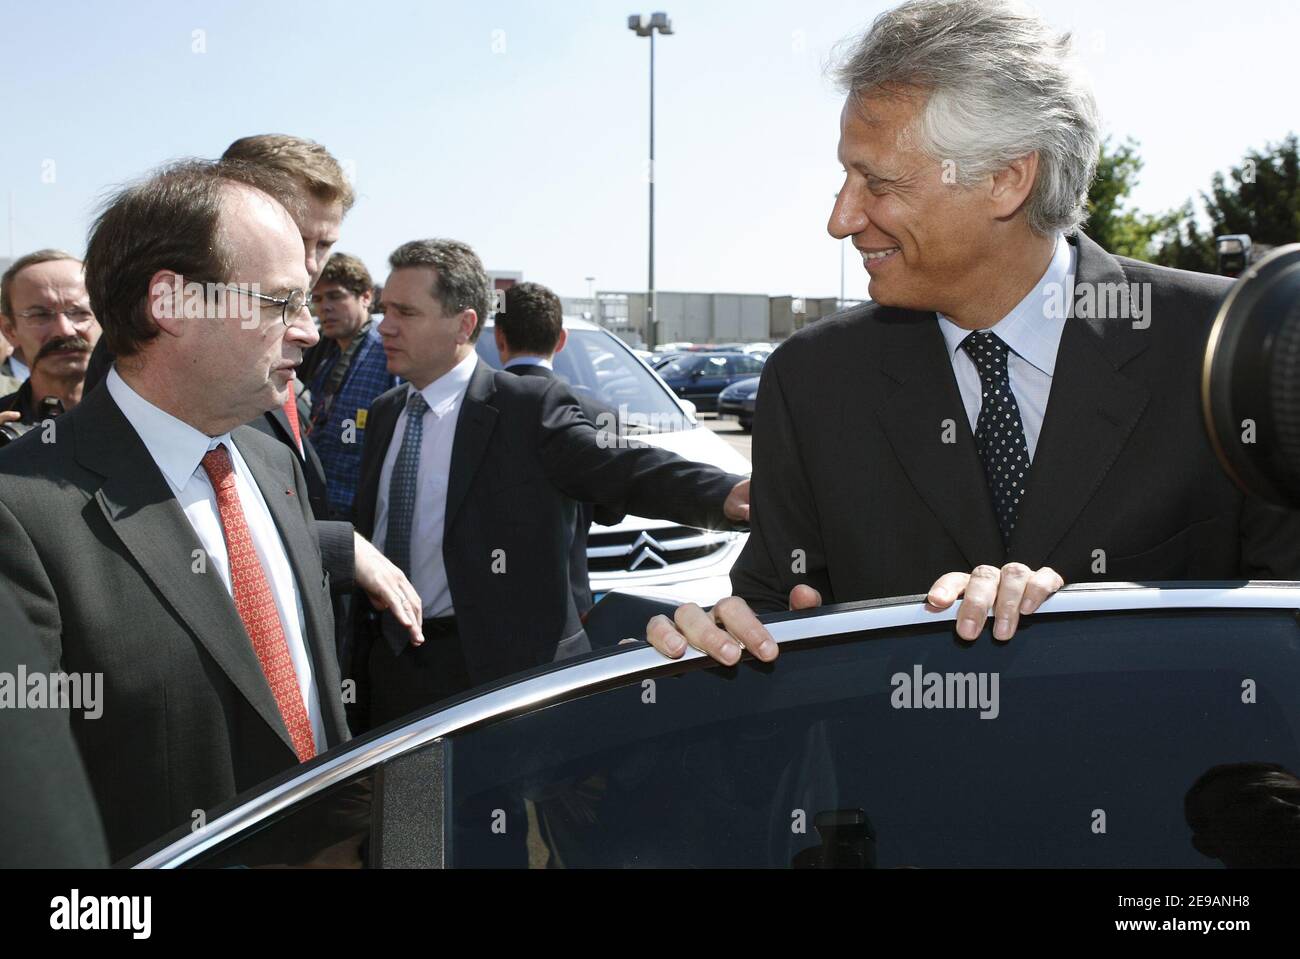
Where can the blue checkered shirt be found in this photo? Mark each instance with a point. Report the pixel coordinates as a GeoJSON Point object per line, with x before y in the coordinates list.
{"type": "Point", "coordinates": [367, 377]}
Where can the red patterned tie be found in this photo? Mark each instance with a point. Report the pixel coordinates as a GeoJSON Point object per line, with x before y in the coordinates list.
{"type": "Point", "coordinates": [291, 411]}
{"type": "Point", "coordinates": [256, 604]}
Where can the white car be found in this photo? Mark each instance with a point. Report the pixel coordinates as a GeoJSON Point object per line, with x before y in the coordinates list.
{"type": "Point", "coordinates": [639, 553]}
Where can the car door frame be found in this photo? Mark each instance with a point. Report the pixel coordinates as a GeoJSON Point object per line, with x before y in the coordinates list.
{"type": "Point", "coordinates": [628, 664]}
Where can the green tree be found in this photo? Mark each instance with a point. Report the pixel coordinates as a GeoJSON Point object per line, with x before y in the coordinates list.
{"type": "Point", "coordinates": [1115, 227]}
{"type": "Point", "coordinates": [1261, 197]}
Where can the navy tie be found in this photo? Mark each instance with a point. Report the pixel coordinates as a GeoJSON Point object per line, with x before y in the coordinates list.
{"type": "Point", "coordinates": [401, 485]}
{"type": "Point", "coordinates": [999, 433]}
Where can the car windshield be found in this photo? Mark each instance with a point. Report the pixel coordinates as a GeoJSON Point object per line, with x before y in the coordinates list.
{"type": "Point", "coordinates": [596, 364]}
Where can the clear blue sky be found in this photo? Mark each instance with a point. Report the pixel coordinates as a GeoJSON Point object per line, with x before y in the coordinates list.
{"type": "Point", "coordinates": [520, 127]}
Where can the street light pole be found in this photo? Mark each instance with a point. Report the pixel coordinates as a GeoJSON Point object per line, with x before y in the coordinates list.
{"type": "Point", "coordinates": [658, 23]}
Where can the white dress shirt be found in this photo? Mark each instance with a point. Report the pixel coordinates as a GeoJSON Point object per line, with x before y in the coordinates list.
{"type": "Point", "coordinates": [178, 449]}
{"type": "Point", "coordinates": [529, 361]}
{"type": "Point", "coordinates": [1032, 331]}
{"type": "Point", "coordinates": [428, 572]}
{"type": "Point", "coordinates": [20, 369]}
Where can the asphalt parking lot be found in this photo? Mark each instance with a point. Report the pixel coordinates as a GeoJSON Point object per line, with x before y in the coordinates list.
{"type": "Point", "coordinates": [729, 430]}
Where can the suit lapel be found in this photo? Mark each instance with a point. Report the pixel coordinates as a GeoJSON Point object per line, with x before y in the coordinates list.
{"type": "Point", "coordinates": [947, 475]}
{"type": "Point", "coordinates": [473, 431]}
{"type": "Point", "coordinates": [1091, 413]}
{"type": "Point", "coordinates": [145, 516]}
{"type": "Point", "coordinates": [381, 422]}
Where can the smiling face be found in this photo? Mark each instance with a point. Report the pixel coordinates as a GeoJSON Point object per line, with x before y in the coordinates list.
{"type": "Point", "coordinates": [421, 341]}
{"type": "Point", "coordinates": [923, 240]}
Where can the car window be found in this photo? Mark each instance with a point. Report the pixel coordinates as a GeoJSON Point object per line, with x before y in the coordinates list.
{"type": "Point", "coordinates": [749, 364]}
{"type": "Point", "coordinates": [680, 366]}
{"type": "Point", "coordinates": [1075, 744]}
{"type": "Point", "coordinates": [598, 367]}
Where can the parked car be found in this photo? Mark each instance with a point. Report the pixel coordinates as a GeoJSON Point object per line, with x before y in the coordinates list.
{"type": "Point", "coordinates": [664, 359]}
{"type": "Point", "coordinates": [875, 740]}
{"type": "Point", "coordinates": [737, 402]}
{"type": "Point", "coordinates": [641, 552]}
{"type": "Point", "coordinates": [700, 377]}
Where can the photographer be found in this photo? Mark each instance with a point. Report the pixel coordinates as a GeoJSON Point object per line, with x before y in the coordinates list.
{"type": "Point", "coordinates": [45, 310]}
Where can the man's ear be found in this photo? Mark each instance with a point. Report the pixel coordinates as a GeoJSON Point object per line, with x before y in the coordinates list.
{"type": "Point", "coordinates": [10, 334]}
{"type": "Point", "coordinates": [1012, 185]}
{"type": "Point", "coordinates": [564, 338]}
{"type": "Point", "coordinates": [366, 299]}
{"type": "Point", "coordinates": [166, 301]}
{"type": "Point", "coordinates": [468, 320]}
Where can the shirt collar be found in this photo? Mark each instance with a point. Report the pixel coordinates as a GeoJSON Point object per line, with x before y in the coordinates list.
{"type": "Point", "coordinates": [175, 446]}
{"type": "Point", "coordinates": [529, 361]}
{"type": "Point", "coordinates": [1030, 331]}
{"type": "Point", "coordinates": [20, 369]}
{"type": "Point", "coordinates": [446, 391]}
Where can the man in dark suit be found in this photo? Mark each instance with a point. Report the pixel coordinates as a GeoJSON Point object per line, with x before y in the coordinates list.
{"type": "Point", "coordinates": [906, 441]}
{"type": "Point", "coordinates": [157, 543]}
{"type": "Point", "coordinates": [318, 196]}
{"type": "Point", "coordinates": [469, 479]}
{"type": "Point", "coordinates": [529, 331]}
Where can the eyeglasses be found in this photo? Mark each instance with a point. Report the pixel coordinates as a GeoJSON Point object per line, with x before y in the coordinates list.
{"type": "Point", "coordinates": [292, 305]}
{"type": "Point", "coordinates": [39, 316]}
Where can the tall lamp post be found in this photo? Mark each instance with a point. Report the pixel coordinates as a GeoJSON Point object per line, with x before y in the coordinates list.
{"type": "Point", "coordinates": [658, 22]}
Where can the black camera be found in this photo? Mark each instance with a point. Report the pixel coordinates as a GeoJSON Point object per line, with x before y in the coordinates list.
{"type": "Point", "coordinates": [1250, 385]}
{"type": "Point", "coordinates": [49, 407]}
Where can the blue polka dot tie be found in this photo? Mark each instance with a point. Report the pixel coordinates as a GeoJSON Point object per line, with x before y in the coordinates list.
{"type": "Point", "coordinates": [999, 433]}
{"type": "Point", "coordinates": [401, 485]}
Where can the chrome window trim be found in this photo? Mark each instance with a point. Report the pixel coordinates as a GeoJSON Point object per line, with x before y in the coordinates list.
{"type": "Point", "coordinates": [551, 686]}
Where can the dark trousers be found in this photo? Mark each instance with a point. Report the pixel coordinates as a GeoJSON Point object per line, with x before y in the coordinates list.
{"type": "Point", "coordinates": [419, 676]}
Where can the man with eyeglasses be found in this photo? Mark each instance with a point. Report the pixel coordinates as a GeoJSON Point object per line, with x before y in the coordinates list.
{"type": "Point", "coordinates": [45, 314]}
{"type": "Point", "coordinates": [158, 543]}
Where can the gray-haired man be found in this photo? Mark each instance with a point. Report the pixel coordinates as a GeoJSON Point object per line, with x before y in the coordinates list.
{"type": "Point", "coordinates": [961, 421]}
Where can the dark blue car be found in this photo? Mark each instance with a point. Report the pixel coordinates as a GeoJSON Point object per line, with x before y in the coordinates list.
{"type": "Point", "coordinates": [700, 377]}
{"type": "Point", "coordinates": [737, 400]}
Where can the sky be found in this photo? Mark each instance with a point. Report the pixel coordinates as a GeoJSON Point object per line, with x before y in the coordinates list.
{"type": "Point", "coordinates": [521, 127]}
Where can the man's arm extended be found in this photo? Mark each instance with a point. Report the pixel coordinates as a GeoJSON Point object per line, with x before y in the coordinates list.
{"type": "Point", "coordinates": [595, 467]}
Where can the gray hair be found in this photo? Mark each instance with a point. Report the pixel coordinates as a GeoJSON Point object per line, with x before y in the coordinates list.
{"type": "Point", "coordinates": [1002, 84]}
{"type": "Point", "coordinates": [461, 282]}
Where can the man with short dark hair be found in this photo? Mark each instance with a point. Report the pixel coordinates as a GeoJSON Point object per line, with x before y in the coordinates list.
{"type": "Point", "coordinates": [469, 479]}
{"type": "Point", "coordinates": [351, 373]}
{"type": "Point", "coordinates": [529, 331]}
{"type": "Point", "coordinates": [183, 567]}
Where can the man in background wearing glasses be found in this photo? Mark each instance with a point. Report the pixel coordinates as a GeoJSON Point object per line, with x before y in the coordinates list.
{"type": "Point", "coordinates": [158, 543]}
{"type": "Point", "coordinates": [45, 314]}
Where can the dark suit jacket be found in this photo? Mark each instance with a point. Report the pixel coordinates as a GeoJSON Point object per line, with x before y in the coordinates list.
{"type": "Point", "coordinates": [855, 493]}
{"type": "Point", "coordinates": [102, 561]}
{"type": "Point", "coordinates": [523, 453]}
{"type": "Point", "coordinates": [46, 806]}
{"type": "Point", "coordinates": [335, 537]}
{"type": "Point", "coordinates": [588, 513]}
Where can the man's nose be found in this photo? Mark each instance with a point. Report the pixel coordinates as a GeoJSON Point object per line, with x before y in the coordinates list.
{"type": "Point", "coordinates": [303, 330]}
{"type": "Point", "coordinates": [848, 215]}
{"type": "Point", "coordinates": [62, 326]}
